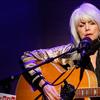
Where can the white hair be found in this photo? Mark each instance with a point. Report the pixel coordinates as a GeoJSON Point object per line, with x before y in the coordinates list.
{"type": "Point", "coordinates": [86, 10]}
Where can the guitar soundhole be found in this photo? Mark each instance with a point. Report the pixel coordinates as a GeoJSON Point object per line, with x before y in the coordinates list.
{"type": "Point", "coordinates": [67, 91]}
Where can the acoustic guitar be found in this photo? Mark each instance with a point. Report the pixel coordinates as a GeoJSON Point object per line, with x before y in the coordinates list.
{"type": "Point", "coordinates": [54, 73]}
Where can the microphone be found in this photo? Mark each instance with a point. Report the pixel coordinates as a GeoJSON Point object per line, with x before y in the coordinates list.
{"type": "Point", "coordinates": [84, 46]}
{"type": "Point", "coordinates": [88, 47]}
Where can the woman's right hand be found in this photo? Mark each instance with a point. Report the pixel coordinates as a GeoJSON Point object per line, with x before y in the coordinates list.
{"type": "Point", "coordinates": [51, 93]}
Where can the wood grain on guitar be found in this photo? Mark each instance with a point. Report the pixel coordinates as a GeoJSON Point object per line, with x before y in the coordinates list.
{"type": "Point", "coordinates": [88, 86]}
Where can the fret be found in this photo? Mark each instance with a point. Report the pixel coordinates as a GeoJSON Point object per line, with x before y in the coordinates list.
{"type": "Point", "coordinates": [95, 92]}
{"type": "Point", "coordinates": [82, 92]}
{"type": "Point", "coordinates": [87, 92]}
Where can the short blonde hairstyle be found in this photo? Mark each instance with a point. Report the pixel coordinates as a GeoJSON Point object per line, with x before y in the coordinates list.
{"type": "Point", "coordinates": [86, 10]}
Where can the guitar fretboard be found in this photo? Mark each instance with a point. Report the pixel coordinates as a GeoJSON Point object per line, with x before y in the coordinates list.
{"type": "Point", "coordinates": [87, 92]}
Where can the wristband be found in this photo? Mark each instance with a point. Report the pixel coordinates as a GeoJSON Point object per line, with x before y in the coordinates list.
{"type": "Point", "coordinates": [46, 83]}
{"type": "Point", "coordinates": [36, 82]}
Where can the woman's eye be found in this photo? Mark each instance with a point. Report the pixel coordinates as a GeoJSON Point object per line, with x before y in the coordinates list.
{"type": "Point", "coordinates": [92, 23]}
{"type": "Point", "coordinates": [81, 25]}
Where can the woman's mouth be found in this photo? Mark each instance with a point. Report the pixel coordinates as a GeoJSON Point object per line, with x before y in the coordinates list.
{"type": "Point", "coordinates": [87, 35]}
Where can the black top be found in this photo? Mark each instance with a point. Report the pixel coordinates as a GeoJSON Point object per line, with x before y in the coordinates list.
{"type": "Point", "coordinates": [97, 70]}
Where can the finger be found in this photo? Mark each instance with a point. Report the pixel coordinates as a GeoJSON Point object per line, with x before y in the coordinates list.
{"type": "Point", "coordinates": [55, 94]}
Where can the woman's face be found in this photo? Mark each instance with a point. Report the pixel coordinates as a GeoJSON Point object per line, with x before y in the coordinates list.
{"type": "Point", "coordinates": [88, 28]}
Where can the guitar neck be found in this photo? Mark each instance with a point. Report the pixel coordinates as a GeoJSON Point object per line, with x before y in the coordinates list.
{"type": "Point", "coordinates": [87, 92]}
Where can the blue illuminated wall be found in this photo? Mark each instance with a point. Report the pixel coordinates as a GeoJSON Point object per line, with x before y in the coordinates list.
{"type": "Point", "coordinates": [31, 24]}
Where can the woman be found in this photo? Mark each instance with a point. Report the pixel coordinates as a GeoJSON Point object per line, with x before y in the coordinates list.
{"type": "Point", "coordinates": [84, 22]}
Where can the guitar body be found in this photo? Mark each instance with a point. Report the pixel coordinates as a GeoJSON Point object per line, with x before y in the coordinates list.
{"type": "Point", "coordinates": [51, 72]}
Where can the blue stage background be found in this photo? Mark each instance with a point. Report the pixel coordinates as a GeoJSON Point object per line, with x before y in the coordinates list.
{"type": "Point", "coordinates": [28, 25]}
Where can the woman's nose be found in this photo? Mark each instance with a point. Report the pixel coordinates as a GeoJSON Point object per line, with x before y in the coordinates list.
{"type": "Point", "coordinates": [87, 27]}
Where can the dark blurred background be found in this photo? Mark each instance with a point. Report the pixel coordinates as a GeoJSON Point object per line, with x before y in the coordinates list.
{"type": "Point", "coordinates": [28, 25]}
